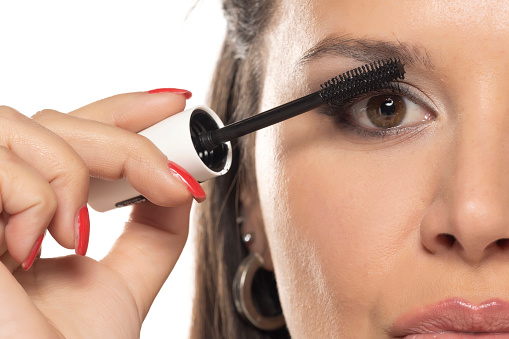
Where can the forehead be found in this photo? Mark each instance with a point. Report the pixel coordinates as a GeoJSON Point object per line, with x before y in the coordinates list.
{"type": "Point", "coordinates": [438, 31]}
{"type": "Point", "coordinates": [301, 24]}
{"type": "Point", "coordinates": [393, 13]}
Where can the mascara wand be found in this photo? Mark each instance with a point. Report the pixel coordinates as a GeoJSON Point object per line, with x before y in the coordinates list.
{"type": "Point", "coordinates": [336, 91]}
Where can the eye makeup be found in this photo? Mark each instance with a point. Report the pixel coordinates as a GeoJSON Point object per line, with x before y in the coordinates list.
{"type": "Point", "coordinates": [386, 112]}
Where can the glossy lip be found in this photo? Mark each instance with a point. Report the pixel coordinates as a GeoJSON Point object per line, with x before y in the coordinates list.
{"type": "Point", "coordinates": [455, 316]}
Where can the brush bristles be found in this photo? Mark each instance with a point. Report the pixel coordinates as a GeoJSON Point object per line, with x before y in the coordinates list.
{"type": "Point", "coordinates": [361, 80]}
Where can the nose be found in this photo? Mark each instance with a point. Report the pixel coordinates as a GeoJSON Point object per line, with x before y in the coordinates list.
{"type": "Point", "coordinates": [470, 215]}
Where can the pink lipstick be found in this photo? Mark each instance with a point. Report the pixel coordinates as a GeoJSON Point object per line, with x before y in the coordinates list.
{"type": "Point", "coordinates": [455, 318]}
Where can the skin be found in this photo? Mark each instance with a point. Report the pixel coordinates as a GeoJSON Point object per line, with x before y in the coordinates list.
{"type": "Point", "coordinates": [75, 296]}
{"type": "Point", "coordinates": [359, 229]}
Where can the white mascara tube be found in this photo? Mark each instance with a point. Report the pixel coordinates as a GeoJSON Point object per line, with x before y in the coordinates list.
{"type": "Point", "coordinates": [176, 137]}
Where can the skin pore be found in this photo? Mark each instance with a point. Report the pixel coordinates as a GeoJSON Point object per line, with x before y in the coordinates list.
{"type": "Point", "coordinates": [364, 228]}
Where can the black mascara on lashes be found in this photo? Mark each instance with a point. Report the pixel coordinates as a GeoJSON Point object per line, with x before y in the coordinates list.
{"type": "Point", "coordinates": [197, 139]}
{"type": "Point", "coordinates": [345, 116]}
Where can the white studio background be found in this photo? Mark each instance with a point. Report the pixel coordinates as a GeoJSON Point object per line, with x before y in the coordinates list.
{"type": "Point", "coordinates": [66, 54]}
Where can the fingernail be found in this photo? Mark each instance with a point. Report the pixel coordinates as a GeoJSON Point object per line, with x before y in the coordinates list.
{"type": "Point", "coordinates": [81, 231]}
{"type": "Point", "coordinates": [184, 92]}
{"type": "Point", "coordinates": [33, 253]}
{"type": "Point", "coordinates": [187, 179]}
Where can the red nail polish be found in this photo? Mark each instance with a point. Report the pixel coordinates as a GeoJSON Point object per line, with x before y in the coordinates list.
{"type": "Point", "coordinates": [33, 253]}
{"type": "Point", "coordinates": [187, 179]}
{"type": "Point", "coordinates": [184, 92]}
{"type": "Point", "coordinates": [81, 231]}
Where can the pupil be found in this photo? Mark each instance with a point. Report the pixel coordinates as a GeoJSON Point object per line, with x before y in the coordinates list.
{"type": "Point", "coordinates": [388, 107]}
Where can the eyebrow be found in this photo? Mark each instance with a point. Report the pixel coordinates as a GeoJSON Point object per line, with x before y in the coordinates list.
{"type": "Point", "coordinates": [367, 50]}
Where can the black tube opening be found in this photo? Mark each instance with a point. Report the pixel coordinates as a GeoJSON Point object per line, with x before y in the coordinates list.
{"type": "Point", "coordinates": [202, 122]}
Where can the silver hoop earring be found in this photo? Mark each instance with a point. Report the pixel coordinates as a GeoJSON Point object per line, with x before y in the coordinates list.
{"type": "Point", "coordinates": [242, 295]}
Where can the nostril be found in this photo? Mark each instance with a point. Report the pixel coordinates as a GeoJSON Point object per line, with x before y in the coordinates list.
{"type": "Point", "coordinates": [502, 243]}
{"type": "Point", "coordinates": [446, 239]}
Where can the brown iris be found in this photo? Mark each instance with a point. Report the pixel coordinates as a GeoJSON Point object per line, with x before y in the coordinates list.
{"type": "Point", "coordinates": [386, 111]}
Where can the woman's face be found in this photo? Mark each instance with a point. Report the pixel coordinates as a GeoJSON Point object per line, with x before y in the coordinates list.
{"type": "Point", "coordinates": [385, 232]}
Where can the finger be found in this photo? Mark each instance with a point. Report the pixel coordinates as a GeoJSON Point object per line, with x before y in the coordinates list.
{"type": "Point", "coordinates": [30, 202]}
{"type": "Point", "coordinates": [58, 164]}
{"type": "Point", "coordinates": [113, 153]}
{"type": "Point", "coordinates": [134, 111]}
{"type": "Point", "coordinates": [9, 262]}
{"type": "Point", "coordinates": [4, 218]}
{"type": "Point", "coordinates": [148, 249]}
{"type": "Point", "coordinates": [5, 257]}
{"type": "Point", "coordinates": [21, 319]}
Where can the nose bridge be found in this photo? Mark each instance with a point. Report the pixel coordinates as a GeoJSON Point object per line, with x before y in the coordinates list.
{"type": "Point", "coordinates": [479, 194]}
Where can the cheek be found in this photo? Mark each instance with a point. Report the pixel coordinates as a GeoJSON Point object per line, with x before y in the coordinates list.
{"type": "Point", "coordinates": [339, 224]}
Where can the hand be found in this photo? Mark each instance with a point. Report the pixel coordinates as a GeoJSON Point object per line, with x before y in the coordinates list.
{"type": "Point", "coordinates": [76, 296]}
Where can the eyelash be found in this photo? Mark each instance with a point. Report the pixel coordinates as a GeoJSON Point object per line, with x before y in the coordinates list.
{"type": "Point", "coordinates": [343, 119]}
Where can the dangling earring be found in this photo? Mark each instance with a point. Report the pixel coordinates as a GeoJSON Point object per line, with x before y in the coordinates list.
{"type": "Point", "coordinates": [243, 297]}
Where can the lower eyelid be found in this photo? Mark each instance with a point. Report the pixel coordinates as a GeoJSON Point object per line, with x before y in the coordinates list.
{"type": "Point", "coordinates": [385, 133]}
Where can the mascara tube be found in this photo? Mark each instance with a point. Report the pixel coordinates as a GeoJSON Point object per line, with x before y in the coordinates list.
{"type": "Point", "coordinates": [177, 138]}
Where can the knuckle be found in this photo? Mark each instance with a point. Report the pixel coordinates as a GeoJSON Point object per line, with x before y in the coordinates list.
{"type": "Point", "coordinates": [45, 114]}
{"type": "Point", "coordinates": [5, 154]}
{"type": "Point", "coordinates": [44, 203]}
{"type": "Point", "coordinates": [70, 173]}
{"type": "Point", "coordinates": [9, 113]}
{"type": "Point", "coordinates": [142, 144]}
{"type": "Point", "coordinates": [48, 200]}
{"type": "Point", "coordinates": [79, 173]}
{"type": "Point", "coordinates": [52, 201]}
{"type": "Point", "coordinates": [15, 177]}
{"type": "Point", "coordinates": [82, 172]}
{"type": "Point", "coordinates": [142, 152]}
{"type": "Point", "coordinates": [8, 157]}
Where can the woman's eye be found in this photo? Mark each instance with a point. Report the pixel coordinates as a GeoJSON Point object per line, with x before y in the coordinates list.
{"type": "Point", "coordinates": [387, 111]}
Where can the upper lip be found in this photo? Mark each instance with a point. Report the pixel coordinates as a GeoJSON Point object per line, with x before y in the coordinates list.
{"type": "Point", "coordinates": [455, 315]}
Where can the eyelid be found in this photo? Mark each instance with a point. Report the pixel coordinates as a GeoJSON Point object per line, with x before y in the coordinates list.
{"type": "Point", "coordinates": [418, 97]}
{"type": "Point", "coordinates": [399, 87]}
{"type": "Point", "coordinates": [341, 112]}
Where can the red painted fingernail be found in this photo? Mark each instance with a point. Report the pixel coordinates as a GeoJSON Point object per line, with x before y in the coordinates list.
{"type": "Point", "coordinates": [81, 231]}
{"type": "Point", "coordinates": [33, 253]}
{"type": "Point", "coordinates": [184, 92]}
{"type": "Point", "coordinates": [187, 179]}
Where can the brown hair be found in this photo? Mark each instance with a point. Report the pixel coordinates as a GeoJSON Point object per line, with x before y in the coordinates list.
{"type": "Point", "coordinates": [235, 94]}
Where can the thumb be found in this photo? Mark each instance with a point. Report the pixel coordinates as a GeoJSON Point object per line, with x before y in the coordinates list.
{"type": "Point", "coordinates": [148, 249]}
{"type": "Point", "coordinates": [19, 317]}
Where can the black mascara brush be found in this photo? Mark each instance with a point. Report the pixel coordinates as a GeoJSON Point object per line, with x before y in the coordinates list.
{"type": "Point", "coordinates": [197, 141]}
{"type": "Point", "coordinates": [335, 91]}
